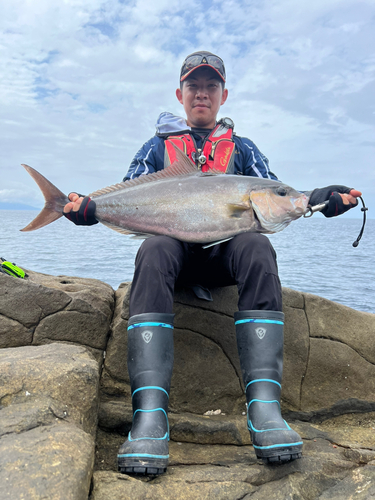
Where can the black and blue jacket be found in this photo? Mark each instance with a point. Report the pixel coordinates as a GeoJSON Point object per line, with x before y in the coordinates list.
{"type": "Point", "coordinates": [248, 160]}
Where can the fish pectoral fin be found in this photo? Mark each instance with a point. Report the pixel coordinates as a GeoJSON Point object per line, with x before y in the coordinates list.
{"type": "Point", "coordinates": [216, 242]}
{"type": "Point", "coordinates": [126, 231]}
{"type": "Point", "coordinates": [140, 236]}
{"type": "Point", "coordinates": [236, 210]}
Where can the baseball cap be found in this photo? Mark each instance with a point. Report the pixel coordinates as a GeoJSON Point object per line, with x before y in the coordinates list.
{"type": "Point", "coordinates": [199, 60]}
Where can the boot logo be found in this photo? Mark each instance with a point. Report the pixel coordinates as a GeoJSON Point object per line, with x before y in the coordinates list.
{"type": "Point", "coordinates": [260, 332]}
{"type": "Point", "coordinates": [147, 336]}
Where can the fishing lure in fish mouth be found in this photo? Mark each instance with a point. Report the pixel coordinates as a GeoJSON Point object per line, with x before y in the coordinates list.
{"type": "Point", "coordinates": [318, 208]}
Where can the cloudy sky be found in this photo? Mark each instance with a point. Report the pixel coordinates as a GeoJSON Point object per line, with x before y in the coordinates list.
{"type": "Point", "coordinates": [83, 82]}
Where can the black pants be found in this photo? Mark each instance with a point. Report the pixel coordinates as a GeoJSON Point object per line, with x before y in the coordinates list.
{"type": "Point", "coordinates": [248, 261]}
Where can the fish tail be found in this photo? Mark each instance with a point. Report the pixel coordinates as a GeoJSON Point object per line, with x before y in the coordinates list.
{"type": "Point", "coordinates": [55, 200]}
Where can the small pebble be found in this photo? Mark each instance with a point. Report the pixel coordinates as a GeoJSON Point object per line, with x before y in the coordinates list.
{"type": "Point", "coordinates": [212, 412]}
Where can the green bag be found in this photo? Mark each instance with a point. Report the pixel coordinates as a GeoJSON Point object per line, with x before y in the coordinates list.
{"type": "Point", "coordinates": [11, 269]}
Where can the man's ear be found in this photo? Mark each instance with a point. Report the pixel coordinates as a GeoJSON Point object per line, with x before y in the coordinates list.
{"type": "Point", "coordinates": [179, 95]}
{"type": "Point", "coordinates": [224, 97]}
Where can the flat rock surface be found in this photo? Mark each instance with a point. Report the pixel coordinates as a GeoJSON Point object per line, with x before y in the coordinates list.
{"type": "Point", "coordinates": [48, 421]}
{"type": "Point", "coordinates": [230, 472]}
{"type": "Point", "coordinates": [48, 462]}
{"type": "Point", "coordinates": [338, 459]}
{"type": "Point", "coordinates": [67, 374]}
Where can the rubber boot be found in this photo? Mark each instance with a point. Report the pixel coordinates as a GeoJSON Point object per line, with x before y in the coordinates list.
{"type": "Point", "coordinates": [260, 347]}
{"type": "Point", "coordinates": [150, 364]}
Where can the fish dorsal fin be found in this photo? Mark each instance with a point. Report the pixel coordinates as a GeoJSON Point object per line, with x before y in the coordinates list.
{"type": "Point", "coordinates": [185, 162]}
{"type": "Point", "coordinates": [180, 167]}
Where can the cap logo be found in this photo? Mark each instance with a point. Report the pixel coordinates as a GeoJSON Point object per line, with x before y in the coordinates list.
{"type": "Point", "coordinates": [147, 336]}
{"type": "Point", "coordinates": [204, 60]}
{"type": "Point", "coordinates": [260, 332]}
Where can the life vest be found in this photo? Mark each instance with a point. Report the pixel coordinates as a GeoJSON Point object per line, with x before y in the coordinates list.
{"type": "Point", "coordinates": [217, 151]}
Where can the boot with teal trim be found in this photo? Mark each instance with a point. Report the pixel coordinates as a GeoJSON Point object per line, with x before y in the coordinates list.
{"type": "Point", "coordinates": [150, 364]}
{"type": "Point", "coordinates": [260, 342]}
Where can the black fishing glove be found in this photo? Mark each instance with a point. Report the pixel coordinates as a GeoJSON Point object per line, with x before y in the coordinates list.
{"type": "Point", "coordinates": [335, 204]}
{"type": "Point", "coordinates": [85, 215]}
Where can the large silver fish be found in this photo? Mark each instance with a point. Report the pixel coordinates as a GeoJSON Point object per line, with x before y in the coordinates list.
{"type": "Point", "coordinates": [185, 204]}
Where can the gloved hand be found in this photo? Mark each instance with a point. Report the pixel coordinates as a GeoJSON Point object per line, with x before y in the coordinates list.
{"type": "Point", "coordinates": [85, 216]}
{"type": "Point", "coordinates": [335, 204]}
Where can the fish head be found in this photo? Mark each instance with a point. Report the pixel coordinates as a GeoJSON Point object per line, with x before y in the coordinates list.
{"type": "Point", "coordinates": [276, 205]}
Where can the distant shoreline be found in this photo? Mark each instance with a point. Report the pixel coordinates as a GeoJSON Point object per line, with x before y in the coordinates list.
{"type": "Point", "coordinates": [16, 206]}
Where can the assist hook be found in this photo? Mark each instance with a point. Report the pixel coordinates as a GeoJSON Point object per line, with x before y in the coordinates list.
{"type": "Point", "coordinates": [321, 206]}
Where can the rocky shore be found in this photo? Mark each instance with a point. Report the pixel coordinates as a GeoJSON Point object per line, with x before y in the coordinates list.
{"type": "Point", "coordinates": [65, 398]}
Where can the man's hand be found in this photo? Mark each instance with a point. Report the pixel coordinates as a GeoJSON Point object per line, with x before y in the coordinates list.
{"type": "Point", "coordinates": [351, 197]}
{"type": "Point", "coordinates": [80, 210]}
{"type": "Point", "coordinates": [340, 199]}
{"type": "Point", "coordinates": [75, 203]}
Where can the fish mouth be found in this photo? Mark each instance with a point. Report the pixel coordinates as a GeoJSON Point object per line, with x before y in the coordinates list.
{"type": "Point", "coordinates": [300, 205]}
{"type": "Point", "coordinates": [300, 210]}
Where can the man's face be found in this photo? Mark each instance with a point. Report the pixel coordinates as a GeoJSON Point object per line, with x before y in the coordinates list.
{"type": "Point", "coordinates": [202, 95]}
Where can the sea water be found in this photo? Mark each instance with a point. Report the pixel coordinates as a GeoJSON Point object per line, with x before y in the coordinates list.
{"type": "Point", "coordinates": [314, 255]}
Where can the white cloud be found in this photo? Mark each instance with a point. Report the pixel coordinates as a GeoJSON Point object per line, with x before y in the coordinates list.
{"type": "Point", "coordinates": [83, 83]}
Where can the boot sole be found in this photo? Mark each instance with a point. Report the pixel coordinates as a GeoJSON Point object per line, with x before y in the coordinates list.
{"type": "Point", "coordinates": [281, 458]}
{"type": "Point", "coordinates": [279, 455]}
{"type": "Point", "coordinates": [148, 467]}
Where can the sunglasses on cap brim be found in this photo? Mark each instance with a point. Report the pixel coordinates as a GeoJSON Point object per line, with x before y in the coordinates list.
{"type": "Point", "coordinates": [197, 61]}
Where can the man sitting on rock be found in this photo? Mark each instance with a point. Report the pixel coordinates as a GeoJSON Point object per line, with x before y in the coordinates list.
{"type": "Point", "coordinates": [247, 260]}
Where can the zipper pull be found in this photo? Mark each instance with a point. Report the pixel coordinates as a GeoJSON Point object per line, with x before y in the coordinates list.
{"type": "Point", "coordinates": [201, 158]}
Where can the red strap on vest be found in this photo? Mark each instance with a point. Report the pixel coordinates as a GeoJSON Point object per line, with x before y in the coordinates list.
{"type": "Point", "coordinates": [218, 149]}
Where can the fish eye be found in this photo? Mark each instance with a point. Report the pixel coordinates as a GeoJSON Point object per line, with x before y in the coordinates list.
{"type": "Point", "coordinates": [281, 191]}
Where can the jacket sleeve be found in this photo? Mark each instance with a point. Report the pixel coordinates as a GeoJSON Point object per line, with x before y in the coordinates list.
{"type": "Point", "coordinates": [149, 159]}
{"type": "Point", "coordinates": [255, 164]}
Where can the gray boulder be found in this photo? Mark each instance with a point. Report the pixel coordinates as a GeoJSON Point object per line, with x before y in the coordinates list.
{"type": "Point", "coordinates": [328, 356]}
{"type": "Point", "coordinates": [44, 309]}
{"type": "Point", "coordinates": [55, 333]}
{"type": "Point", "coordinates": [48, 419]}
